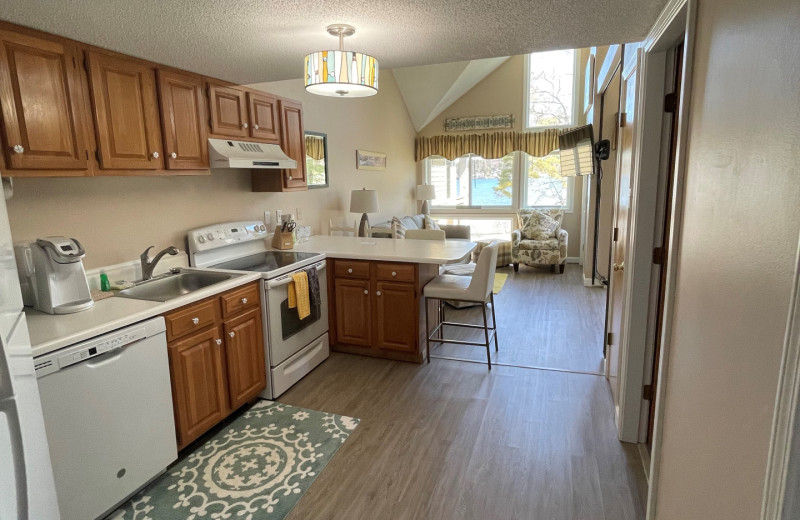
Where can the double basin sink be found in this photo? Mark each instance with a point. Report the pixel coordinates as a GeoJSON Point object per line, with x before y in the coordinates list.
{"type": "Point", "coordinates": [174, 284]}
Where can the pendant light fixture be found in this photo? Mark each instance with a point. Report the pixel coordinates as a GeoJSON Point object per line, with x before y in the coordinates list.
{"type": "Point", "coordinates": [341, 73]}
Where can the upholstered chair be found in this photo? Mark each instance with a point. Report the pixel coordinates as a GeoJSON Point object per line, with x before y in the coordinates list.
{"type": "Point", "coordinates": [539, 239]}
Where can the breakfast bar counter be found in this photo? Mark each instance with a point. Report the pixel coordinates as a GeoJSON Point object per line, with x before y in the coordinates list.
{"type": "Point", "coordinates": [375, 302]}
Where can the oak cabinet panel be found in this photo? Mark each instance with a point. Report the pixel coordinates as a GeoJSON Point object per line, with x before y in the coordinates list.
{"type": "Point", "coordinates": [244, 353]}
{"type": "Point", "coordinates": [228, 107]}
{"type": "Point", "coordinates": [293, 143]}
{"type": "Point", "coordinates": [42, 104]}
{"type": "Point", "coordinates": [396, 316]}
{"type": "Point", "coordinates": [264, 121]}
{"type": "Point", "coordinates": [199, 391]}
{"type": "Point", "coordinates": [353, 312]}
{"type": "Point", "coordinates": [183, 120]}
{"type": "Point", "coordinates": [125, 113]}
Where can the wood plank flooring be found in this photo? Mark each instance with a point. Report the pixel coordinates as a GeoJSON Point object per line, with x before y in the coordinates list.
{"type": "Point", "coordinates": [451, 440]}
{"type": "Point", "coordinates": [544, 319]}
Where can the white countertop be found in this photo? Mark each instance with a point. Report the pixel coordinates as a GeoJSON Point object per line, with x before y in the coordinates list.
{"type": "Point", "coordinates": [51, 332]}
{"type": "Point", "coordinates": [388, 249]}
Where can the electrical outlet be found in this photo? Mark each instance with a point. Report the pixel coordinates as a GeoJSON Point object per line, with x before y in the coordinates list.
{"type": "Point", "coordinates": [298, 215]}
{"type": "Point", "coordinates": [268, 218]}
{"type": "Point", "coordinates": [278, 215]}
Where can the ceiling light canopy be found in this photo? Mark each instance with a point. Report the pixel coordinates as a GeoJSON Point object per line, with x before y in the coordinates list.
{"type": "Point", "coordinates": [341, 73]}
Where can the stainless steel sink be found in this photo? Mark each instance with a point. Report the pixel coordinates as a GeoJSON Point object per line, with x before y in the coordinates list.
{"type": "Point", "coordinates": [172, 285]}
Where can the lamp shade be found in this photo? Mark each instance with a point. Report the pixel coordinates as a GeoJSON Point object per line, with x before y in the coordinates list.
{"type": "Point", "coordinates": [426, 192]}
{"type": "Point", "coordinates": [341, 74]}
{"type": "Point", "coordinates": [363, 201]}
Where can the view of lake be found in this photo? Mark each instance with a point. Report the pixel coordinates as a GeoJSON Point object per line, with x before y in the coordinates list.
{"type": "Point", "coordinates": [483, 193]}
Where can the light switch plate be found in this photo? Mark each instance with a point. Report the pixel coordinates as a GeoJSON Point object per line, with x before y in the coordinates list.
{"type": "Point", "coordinates": [268, 218]}
{"type": "Point", "coordinates": [278, 215]}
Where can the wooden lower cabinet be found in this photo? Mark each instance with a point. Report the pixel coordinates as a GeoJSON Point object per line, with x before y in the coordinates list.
{"type": "Point", "coordinates": [216, 368]}
{"type": "Point", "coordinates": [376, 308]}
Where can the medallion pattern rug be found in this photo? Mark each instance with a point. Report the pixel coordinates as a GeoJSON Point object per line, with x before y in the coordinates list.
{"type": "Point", "coordinates": [256, 468]}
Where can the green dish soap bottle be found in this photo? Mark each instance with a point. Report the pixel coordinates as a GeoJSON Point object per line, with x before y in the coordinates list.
{"type": "Point", "coordinates": [105, 285]}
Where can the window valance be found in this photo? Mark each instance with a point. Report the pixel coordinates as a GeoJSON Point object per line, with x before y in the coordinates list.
{"type": "Point", "coordinates": [492, 145]}
{"type": "Point", "coordinates": [315, 147]}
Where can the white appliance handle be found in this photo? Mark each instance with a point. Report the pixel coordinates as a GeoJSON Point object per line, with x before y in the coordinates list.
{"type": "Point", "coordinates": [286, 279]}
{"type": "Point", "coordinates": [9, 406]}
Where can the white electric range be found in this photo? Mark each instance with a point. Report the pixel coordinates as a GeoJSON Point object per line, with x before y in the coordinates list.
{"type": "Point", "coordinates": [293, 346]}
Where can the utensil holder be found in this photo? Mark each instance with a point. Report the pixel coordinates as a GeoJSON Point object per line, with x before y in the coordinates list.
{"type": "Point", "coordinates": [282, 239]}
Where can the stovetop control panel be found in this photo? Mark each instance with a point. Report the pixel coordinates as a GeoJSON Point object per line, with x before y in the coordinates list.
{"type": "Point", "coordinates": [222, 235]}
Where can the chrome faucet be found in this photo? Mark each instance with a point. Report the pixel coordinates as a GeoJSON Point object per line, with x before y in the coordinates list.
{"type": "Point", "coordinates": [149, 265]}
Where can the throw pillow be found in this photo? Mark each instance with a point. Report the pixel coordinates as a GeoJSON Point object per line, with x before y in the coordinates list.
{"type": "Point", "coordinates": [399, 228]}
{"type": "Point", "coordinates": [539, 226]}
{"type": "Point", "coordinates": [430, 223]}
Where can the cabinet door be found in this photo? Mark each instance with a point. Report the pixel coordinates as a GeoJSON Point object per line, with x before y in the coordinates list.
{"type": "Point", "coordinates": [199, 392]}
{"type": "Point", "coordinates": [353, 312]}
{"type": "Point", "coordinates": [396, 316]}
{"type": "Point", "coordinates": [244, 352]}
{"type": "Point", "coordinates": [183, 120]}
{"type": "Point", "coordinates": [264, 123]}
{"type": "Point", "coordinates": [125, 113]}
{"type": "Point", "coordinates": [228, 107]}
{"type": "Point", "coordinates": [42, 105]}
{"type": "Point", "coordinates": [293, 144]}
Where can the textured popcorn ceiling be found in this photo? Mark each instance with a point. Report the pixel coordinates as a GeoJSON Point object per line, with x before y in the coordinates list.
{"type": "Point", "coordinates": [250, 41]}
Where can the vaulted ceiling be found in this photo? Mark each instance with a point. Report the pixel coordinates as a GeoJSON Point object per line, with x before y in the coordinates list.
{"type": "Point", "coordinates": [250, 41]}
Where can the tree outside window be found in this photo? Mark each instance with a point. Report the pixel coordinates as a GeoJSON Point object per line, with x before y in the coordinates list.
{"type": "Point", "coordinates": [551, 89]}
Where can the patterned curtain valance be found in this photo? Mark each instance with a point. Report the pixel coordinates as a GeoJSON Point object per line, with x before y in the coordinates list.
{"type": "Point", "coordinates": [315, 147]}
{"type": "Point", "coordinates": [489, 146]}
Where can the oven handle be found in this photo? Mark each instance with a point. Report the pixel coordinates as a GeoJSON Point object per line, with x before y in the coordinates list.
{"type": "Point", "coordinates": [286, 279]}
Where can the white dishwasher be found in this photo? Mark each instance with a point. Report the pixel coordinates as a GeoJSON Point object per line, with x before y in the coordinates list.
{"type": "Point", "coordinates": [107, 406]}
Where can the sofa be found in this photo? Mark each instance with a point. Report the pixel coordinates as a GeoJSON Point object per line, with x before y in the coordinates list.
{"type": "Point", "coordinates": [451, 232]}
{"type": "Point", "coordinates": [539, 239]}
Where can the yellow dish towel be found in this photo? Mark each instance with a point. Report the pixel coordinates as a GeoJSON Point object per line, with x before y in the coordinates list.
{"type": "Point", "coordinates": [298, 294]}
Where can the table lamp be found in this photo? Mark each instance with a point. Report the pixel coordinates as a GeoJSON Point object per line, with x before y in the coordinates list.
{"type": "Point", "coordinates": [363, 201]}
{"type": "Point", "coordinates": [426, 192]}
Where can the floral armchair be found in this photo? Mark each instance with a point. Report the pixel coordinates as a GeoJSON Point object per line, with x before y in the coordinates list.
{"type": "Point", "coordinates": [539, 239]}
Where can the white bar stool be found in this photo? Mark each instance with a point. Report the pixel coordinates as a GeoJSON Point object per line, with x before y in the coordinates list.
{"type": "Point", "coordinates": [474, 289]}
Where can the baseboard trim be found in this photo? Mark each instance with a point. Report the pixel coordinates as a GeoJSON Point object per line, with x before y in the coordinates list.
{"type": "Point", "coordinates": [572, 260]}
{"type": "Point", "coordinates": [587, 282]}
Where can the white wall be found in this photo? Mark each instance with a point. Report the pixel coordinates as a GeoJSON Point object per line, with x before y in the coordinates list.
{"type": "Point", "coordinates": [735, 261]}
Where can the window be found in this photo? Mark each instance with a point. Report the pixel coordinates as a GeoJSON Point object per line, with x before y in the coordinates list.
{"type": "Point", "coordinates": [472, 181]}
{"type": "Point", "coordinates": [483, 228]}
{"type": "Point", "coordinates": [315, 173]}
{"type": "Point", "coordinates": [550, 89]}
{"type": "Point", "coordinates": [545, 187]}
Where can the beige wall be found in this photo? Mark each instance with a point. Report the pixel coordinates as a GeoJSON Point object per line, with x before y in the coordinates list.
{"type": "Point", "coordinates": [736, 260]}
{"type": "Point", "coordinates": [503, 92]}
{"type": "Point", "coordinates": [116, 218]}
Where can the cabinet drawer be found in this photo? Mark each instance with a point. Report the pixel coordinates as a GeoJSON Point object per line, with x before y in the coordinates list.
{"type": "Point", "coordinates": [190, 319]}
{"type": "Point", "coordinates": [352, 269]}
{"type": "Point", "coordinates": [237, 301]}
{"type": "Point", "coordinates": [395, 272]}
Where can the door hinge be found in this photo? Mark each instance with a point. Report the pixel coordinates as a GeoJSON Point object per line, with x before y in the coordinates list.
{"type": "Point", "coordinates": [671, 103]}
{"type": "Point", "coordinates": [609, 338]}
{"type": "Point", "coordinates": [647, 392]}
{"type": "Point", "coordinates": [658, 255]}
{"type": "Point", "coordinates": [616, 234]}
{"type": "Point", "coordinates": [622, 119]}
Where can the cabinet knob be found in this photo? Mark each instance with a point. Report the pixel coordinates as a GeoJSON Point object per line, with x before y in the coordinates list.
{"type": "Point", "coordinates": [394, 273]}
{"type": "Point", "coordinates": [174, 155]}
{"type": "Point", "coordinates": [218, 341]}
{"type": "Point", "coordinates": [350, 271]}
{"type": "Point", "coordinates": [378, 293]}
{"type": "Point", "coordinates": [155, 155]}
{"type": "Point", "coordinates": [195, 320]}
{"type": "Point", "coordinates": [18, 148]}
{"type": "Point", "coordinates": [290, 176]}
{"type": "Point", "coordinates": [366, 291]}
{"type": "Point", "coordinates": [244, 125]}
{"type": "Point", "coordinates": [231, 334]}
{"type": "Point", "coordinates": [244, 301]}
{"type": "Point", "coordinates": [255, 127]}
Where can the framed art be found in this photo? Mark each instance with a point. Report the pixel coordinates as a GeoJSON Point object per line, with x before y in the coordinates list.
{"type": "Point", "coordinates": [370, 160]}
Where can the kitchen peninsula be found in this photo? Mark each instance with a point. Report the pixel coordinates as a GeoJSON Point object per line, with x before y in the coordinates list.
{"type": "Point", "coordinates": [375, 303]}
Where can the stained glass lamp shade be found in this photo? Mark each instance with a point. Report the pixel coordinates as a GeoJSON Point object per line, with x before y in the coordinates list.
{"type": "Point", "coordinates": [341, 73]}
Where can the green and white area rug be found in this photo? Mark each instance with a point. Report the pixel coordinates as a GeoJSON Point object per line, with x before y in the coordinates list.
{"type": "Point", "coordinates": [255, 469]}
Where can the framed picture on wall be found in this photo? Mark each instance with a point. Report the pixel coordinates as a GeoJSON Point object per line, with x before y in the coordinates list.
{"type": "Point", "coordinates": [588, 85]}
{"type": "Point", "coordinates": [370, 160]}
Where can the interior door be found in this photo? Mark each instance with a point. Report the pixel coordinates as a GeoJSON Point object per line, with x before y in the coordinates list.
{"type": "Point", "coordinates": [264, 117]}
{"type": "Point", "coordinates": [621, 220]}
{"type": "Point", "coordinates": [183, 120]}
{"type": "Point", "coordinates": [228, 111]}
{"type": "Point", "coordinates": [125, 113]}
{"type": "Point", "coordinates": [42, 107]}
{"type": "Point", "coordinates": [293, 144]}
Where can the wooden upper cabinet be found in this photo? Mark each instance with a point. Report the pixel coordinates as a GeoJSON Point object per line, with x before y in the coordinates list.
{"type": "Point", "coordinates": [125, 113]}
{"type": "Point", "coordinates": [264, 122]}
{"type": "Point", "coordinates": [42, 104]}
{"type": "Point", "coordinates": [183, 120]}
{"type": "Point", "coordinates": [293, 142]}
{"type": "Point", "coordinates": [228, 107]}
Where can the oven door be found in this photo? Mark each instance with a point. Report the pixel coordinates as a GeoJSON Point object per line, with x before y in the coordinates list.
{"type": "Point", "coordinates": [287, 332]}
